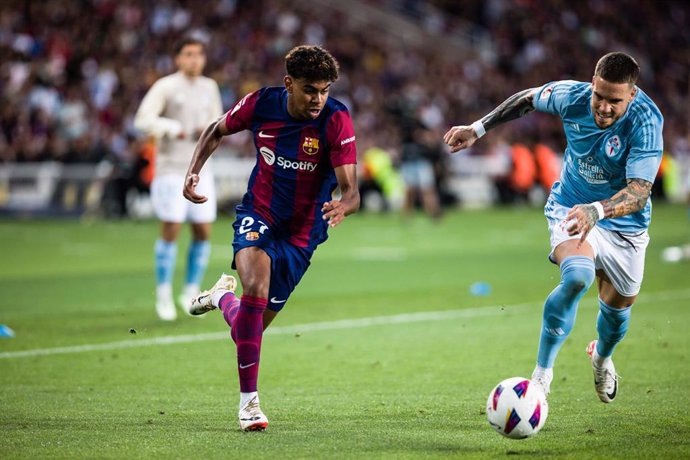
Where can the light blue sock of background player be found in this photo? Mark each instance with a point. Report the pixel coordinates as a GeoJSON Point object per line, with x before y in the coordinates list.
{"type": "Point", "coordinates": [166, 255]}
{"type": "Point", "coordinates": [197, 261]}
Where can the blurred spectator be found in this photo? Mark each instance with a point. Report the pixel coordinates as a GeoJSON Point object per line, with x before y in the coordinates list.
{"type": "Point", "coordinates": [548, 166]}
{"type": "Point", "coordinates": [522, 175]}
{"type": "Point", "coordinates": [420, 149]}
{"type": "Point", "coordinates": [380, 177]}
{"type": "Point", "coordinates": [63, 62]}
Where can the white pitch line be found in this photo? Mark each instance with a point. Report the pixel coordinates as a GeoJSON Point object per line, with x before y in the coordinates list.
{"type": "Point", "coordinates": [322, 326]}
{"type": "Point", "coordinates": [280, 330]}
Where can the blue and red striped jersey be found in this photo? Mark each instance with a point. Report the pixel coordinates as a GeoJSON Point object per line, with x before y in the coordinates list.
{"type": "Point", "coordinates": [295, 160]}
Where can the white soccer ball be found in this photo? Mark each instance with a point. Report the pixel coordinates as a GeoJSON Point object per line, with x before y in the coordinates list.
{"type": "Point", "coordinates": [517, 408]}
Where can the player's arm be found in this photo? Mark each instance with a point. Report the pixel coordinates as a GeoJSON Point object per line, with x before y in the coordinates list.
{"type": "Point", "coordinates": [148, 118]}
{"type": "Point", "coordinates": [517, 105]}
{"type": "Point", "coordinates": [583, 217]}
{"type": "Point", "coordinates": [334, 211]}
{"type": "Point", "coordinates": [208, 142]}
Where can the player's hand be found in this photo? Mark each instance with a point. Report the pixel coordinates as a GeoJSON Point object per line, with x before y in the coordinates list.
{"type": "Point", "coordinates": [189, 191]}
{"type": "Point", "coordinates": [459, 138]}
{"type": "Point", "coordinates": [581, 220]}
{"type": "Point", "coordinates": [333, 212]}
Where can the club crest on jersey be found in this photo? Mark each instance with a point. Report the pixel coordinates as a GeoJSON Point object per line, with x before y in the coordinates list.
{"type": "Point", "coordinates": [613, 146]}
{"type": "Point", "coordinates": [546, 93]}
{"type": "Point", "coordinates": [252, 236]}
{"type": "Point", "coordinates": [310, 146]}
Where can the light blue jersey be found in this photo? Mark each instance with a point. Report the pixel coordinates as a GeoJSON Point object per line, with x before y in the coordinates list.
{"type": "Point", "coordinates": [597, 161]}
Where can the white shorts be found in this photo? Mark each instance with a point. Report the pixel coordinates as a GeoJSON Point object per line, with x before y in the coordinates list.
{"type": "Point", "coordinates": [620, 255]}
{"type": "Point", "coordinates": [171, 206]}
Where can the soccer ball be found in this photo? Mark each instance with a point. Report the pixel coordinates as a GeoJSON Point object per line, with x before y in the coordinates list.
{"type": "Point", "coordinates": [517, 408]}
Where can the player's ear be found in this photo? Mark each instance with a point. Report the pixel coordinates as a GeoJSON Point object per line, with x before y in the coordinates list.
{"type": "Point", "coordinates": [633, 92]}
{"type": "Point", "coordinates": [288, 83]}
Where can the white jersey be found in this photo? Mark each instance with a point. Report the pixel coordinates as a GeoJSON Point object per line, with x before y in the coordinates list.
{"type": "Point", "coordinates": [178, 104]}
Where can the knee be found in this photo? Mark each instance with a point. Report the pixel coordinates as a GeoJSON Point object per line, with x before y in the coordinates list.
{"type": "Point", "coordinates": [576, 284]}
{"type": "Point", "coordinates": [577, 274]}
{"type": "Point", "coordinates": [255, 285]}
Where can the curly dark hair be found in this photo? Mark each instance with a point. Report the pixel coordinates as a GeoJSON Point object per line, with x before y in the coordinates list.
{"type": "Point", "coordinates": [617, 67]}
{"type": "Point", "coordinates": [311, 63]}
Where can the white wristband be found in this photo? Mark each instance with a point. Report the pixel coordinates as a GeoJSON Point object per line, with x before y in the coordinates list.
{"type": "Point", "coordinates": [600, 209]}
{"type": "Point", "coordinates": [478, 128]}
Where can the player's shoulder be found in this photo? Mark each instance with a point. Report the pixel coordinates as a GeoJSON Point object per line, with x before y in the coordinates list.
{"type": "Point", "coordinates": [333, 106]}
{"type": "Point", "coordinates": [208, 81]}
{"type": "Point", "coordinates": [568, 91]}
{"type": "Point", "coordinates": [336, 105]}
{"type": "Point", "coordinates": [575, 90]}
{"type": "Point", "coordinates": [267, 96]}
{"type": "Point", "coordinates": [643, 109]}
{"type": "Point", "coordinates": [270, 92]}
{"type": "Point", "coordinates": [167, 81]}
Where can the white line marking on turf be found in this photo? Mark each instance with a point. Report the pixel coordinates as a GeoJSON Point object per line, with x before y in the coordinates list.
{"type": "Point", "coordinates": [322, 326]}
{"type": "Point", "coordinates": [297, 328]}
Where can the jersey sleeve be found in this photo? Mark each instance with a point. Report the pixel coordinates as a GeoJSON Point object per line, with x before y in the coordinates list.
{"type": "Point", "coordinates": [240, 116]}
{"type": "Point", "coordinates": [646, 149]}
{"type": "Point", "coordinates": [340, 135]}
{"type": "Point", "coordinates": [148, 118]}
{"type": "Point", "coordinates": [553, 97]}
{"type": "Point", "coordinates": [217, 103]}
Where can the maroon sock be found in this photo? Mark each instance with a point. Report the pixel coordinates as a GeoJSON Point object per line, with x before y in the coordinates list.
{"type": "Point", "coordinates": [247, 330]}
{"type": "Point", "coordinates": [229, 304]}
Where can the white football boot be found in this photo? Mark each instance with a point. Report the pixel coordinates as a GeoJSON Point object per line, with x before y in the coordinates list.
{"type": "Point", "coordinates": [251, 417]}
{"type": "Point", "coordinates": [605, 377]}
{"type": "Point", "coordinates": [184, 300]}
{"type": "Point", "coordinates": [542, 378]}
{"type": "Point", "coordinates": [166, 310]}
{"type": "Point", "coordinates": [203, 302]}
{"type": "Point", "coordinates": [165, 306]}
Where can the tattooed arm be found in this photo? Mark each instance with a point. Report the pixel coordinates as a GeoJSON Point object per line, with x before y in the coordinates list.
{"type": "Point", "coordinates": [631, 199]}
{"type": "Point", "coordinates": [517, 105]}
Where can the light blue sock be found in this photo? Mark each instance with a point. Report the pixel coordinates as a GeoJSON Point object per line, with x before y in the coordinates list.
{"type": "Point", "coordinates": [166, 254]}
{"type": "Point", "coordinates": [560, 308]}
{"type": "Point", "coordinates": [197, 261]}
{"type": "Point", "coordinates": [612, 324]}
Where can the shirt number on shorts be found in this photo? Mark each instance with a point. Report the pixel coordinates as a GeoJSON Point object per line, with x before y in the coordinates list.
{"type": "Point", "coordinates": [248, 222]}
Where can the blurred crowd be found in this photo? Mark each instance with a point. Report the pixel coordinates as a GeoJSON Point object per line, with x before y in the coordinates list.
{"type": "Point", "coordinates": [72, 72]}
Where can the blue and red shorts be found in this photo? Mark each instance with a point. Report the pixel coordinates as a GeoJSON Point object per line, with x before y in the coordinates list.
{"type": "Point", "coordinates": [288, 262]}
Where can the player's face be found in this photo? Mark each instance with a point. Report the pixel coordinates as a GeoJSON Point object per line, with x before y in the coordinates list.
{"type": "Point", "coordinates": [191, 60]}
{"type": "Point", "coordinates": [306, 98]}
{"type": "Point", "coordinates": [610, 101]}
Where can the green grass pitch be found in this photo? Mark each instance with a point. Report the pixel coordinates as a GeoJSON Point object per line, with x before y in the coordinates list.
{"type": "Point", "coordinates": [381, 352]}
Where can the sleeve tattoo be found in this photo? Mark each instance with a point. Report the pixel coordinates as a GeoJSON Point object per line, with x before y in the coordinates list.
{"type": "Point", "coordinates": [514, 107]}
{"type": "Point", "coordinates": [631, 199]}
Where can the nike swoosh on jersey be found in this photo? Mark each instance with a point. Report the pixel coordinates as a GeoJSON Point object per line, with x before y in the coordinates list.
{"type": "Point", "coordinates": [261, 134]}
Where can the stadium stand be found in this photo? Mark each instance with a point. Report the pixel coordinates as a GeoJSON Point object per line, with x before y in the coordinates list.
{"type": "Point", "coordinates": [72, 73]}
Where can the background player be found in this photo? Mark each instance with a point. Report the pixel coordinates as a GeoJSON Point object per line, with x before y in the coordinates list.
{"type": "Point", "coordinates": [174, 111]}
{"type": "Point", "coordinates": [305, 145]}
{"type": "Point", "coordinates": [599, 211]}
